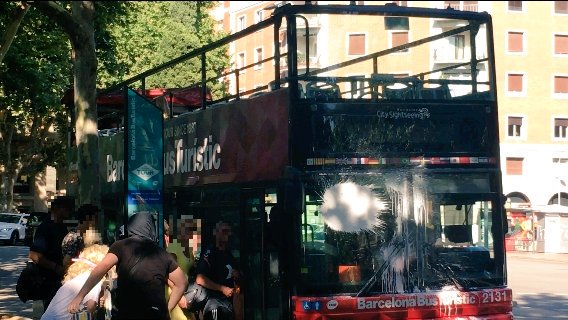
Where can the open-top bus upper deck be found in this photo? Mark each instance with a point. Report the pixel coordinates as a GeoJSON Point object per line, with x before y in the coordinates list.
{"type": "Point", "coordinates": [356, 153]}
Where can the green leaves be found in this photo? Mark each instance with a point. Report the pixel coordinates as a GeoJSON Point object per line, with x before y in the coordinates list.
{"type": "Point", "coordinates": [158, 32]}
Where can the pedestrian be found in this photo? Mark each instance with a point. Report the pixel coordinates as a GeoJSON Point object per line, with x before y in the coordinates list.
{"type": "Point", "coordinates": [143, 269]}
{"type": "Point", "coordinates": [182, 248]}
{"type": "Point", "coordinates": [84, 234]}
{"type": "Point", "coordinates": [217, 270]}
{"type": "Point", "coordinates": [46, 251]}
{"type": "Point", "coordinates": [73, 281]}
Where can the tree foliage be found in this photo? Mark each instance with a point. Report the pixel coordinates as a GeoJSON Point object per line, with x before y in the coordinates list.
{"type": "Point", "coordinates": [52, 51]}
{"type": "Point", "coordinates": [159, 32]}
{"type": "Point", "coordinates": [33, 75]}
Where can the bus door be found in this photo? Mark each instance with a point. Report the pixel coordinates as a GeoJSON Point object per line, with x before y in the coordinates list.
{"type": "Point", "coordinates": [261, 263]}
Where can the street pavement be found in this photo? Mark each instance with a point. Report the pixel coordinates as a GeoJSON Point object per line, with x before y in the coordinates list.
{"type": "Point", "coordinates": [540, 285]}
{"type": "Point", "coordinates": [539, 282]}
{"type": "Point", "coordinates": [12, 260]}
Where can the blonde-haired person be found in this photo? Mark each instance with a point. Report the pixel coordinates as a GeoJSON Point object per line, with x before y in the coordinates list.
{"type": "Point", "coordinates": [75, 278]}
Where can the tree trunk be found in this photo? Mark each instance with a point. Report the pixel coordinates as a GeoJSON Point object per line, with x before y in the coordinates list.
{"type": "Point", "coordinates": [12, 29]}
{"type": "Point", "coordinates": [85, 74]}
{"type": "Point", "coordinates": [8, 177]}
{"type": "Point", "coordinates": [79, 27]}
{"type": "Point", "coordinates": [40, 192]}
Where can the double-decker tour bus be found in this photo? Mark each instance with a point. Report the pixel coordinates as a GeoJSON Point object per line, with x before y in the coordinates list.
{"type": "Point", "coordinates": [361, 174]}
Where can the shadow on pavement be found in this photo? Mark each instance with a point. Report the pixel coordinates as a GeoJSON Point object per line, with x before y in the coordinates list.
{"type": "Point", "coordinates": [531, 306]}
{"type": "Point", "coordinates": [11, 307]}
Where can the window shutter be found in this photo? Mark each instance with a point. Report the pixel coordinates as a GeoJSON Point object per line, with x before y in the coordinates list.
{"type": "Point", "coordinates": [560, 44]}
{"type": "Point", "coordinates": [399, 38]}
{"type": "Point", "coordinates": [561, 122]}
{"type": "Point", "coordinates": [356, 44]}
{"type": "Point", "coordinates": [561, 6]}
{"type": "Point", "coordinates": [515, 42]}
{"type": "Point", "coordinates": [515, 121]}
{"type": "Point", "coordinates": [515, 82]}
{"type": "Point", "coordinates": [514, 166]}
{"type": "Point", "coordinates": [560, 84]}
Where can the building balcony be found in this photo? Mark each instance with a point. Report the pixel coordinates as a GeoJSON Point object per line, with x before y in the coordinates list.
{"type": "Point", "coordinates": [450, 55]}
{"type": "Point", "coordinates": [462, 5]}
{"type": "Point", "coordinates": [302, 63]}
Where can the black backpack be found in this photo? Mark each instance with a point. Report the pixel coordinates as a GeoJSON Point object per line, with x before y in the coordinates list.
{"type": "Point", "coordinates": [196, 296]}
{"type": "Point", "coordinates": [31, 284]}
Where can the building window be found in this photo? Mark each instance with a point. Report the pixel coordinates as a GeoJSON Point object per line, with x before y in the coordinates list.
{"type": "Point", "coordinates": [514, 166]}
{"type": "Point", "coordinates": [560, 44]}
{"type": "Point", "coordinates": [282, 40]}
{"type": "Point", "coordinates": [515, 5]}
{"type": "Point", "coordinates": [514, 126]}
{"type": "Point", "coordinates": [356, 44]}
{"type": "Point", "coordinates": [560, 128]}
{"type": "Point", "coordinates": [515, 41]}
{"type": "Point", "coordinates": [560, 161]}
{"type": "Point", "coordinates": [398, 39]}
{"type": "Point", "coordinates": [257, 58]}
{"type": "Point", "coordinates": [561, 85]}
{"type": "Point", "coordinates": [461, 5]}
{"type": "Point", "coordinates": [459, 46]}
{"type": "Point", "coordinates": [241, 62]}
{"type": "Point", "coordinates": [561, 7]}
{"type": "Point", "coordinates": [241, 23]}
{"type": "Point", "coordinates": [258, 16]}
{"type": "Point", "coordinates": [515, 83]}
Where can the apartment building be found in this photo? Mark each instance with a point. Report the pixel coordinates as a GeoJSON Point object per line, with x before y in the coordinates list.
{"type": "Point", "coordinates": [531, 50]}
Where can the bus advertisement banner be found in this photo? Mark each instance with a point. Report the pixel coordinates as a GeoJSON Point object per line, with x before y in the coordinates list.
{"type": "Point", "coordinates": [143, 154]}
{"type": "Point", "coordinates": [111, 158]}
{"type": "Point", "coordinates": [242, 140]}
{"type": "Point", "coordinates": [493, 303]}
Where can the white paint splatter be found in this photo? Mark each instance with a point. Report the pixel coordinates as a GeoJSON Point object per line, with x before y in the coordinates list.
{"type": "Point", "coordinates": [350, 207]}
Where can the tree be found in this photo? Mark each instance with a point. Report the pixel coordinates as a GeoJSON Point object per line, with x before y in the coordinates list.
{"type": "Point", "coordinates": [159, 32]}
{"type": "Point", "coordinates": [12, 28]}
{"type": "Point", "coordinates": [33, 74]}
{"type": "Point", "coordinates": [77, 20]}
{"type": "Point", "coordinates": [103, 37]}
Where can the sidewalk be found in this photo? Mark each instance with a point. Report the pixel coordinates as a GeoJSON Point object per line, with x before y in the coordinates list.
{"type": "Point", "coordinates": [37, 311]}
{"type": "Point", "coordinates": [557, 257]}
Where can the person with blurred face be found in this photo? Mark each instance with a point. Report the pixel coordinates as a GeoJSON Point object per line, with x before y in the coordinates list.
{"type": "Point", "coordinates": [217, 271]}
{"type": "Point", "coordinates": [46, 249]}
{"type": "Point", "coordinates": [143, 269]}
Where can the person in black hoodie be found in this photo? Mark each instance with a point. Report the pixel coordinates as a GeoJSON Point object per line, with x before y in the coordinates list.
{"type": "Point", "coordinates": [143, 269]}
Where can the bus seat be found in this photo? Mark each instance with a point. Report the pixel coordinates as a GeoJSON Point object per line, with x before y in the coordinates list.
{"type": "Point", "coordinates": [321, 90]}
{"type": "Point", "coordinates": [465, 260]}
{"type": "Point", "coordinates": [458, 233]}
{"type": "Point", "coordinates": [398, 93]}
{"type": "Point", "coordinates": [349, 273]}
{"type": "Point", "coordinates": [441, 92]}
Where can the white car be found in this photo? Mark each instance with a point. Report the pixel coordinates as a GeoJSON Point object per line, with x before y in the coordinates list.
{"type": "Point", "coordinates": [13, 227]}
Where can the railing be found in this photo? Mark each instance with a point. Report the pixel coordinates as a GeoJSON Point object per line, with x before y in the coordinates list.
{"type": "Point", "coordinates": [472, 7]}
